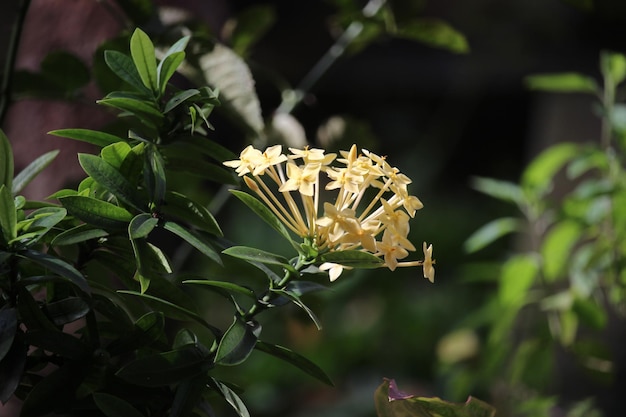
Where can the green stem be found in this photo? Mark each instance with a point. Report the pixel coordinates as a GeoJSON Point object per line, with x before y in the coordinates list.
{"type": "Point", "coordinates": [9, 67]}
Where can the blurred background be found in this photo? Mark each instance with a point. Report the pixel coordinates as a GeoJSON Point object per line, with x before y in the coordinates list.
{"type": "Point", "coordinates": [442, 114]}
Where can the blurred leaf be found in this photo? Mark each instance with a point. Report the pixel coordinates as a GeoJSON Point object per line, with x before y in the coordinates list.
{"type": "Point", "coordinates": [567, 82]}
{"type": "Point", "coordinates": [140, 11]}
{"type": "Point", "coordinates": [80, 233]}
{"type": "Point", "coordinates": [613, 66]}
{"type": "Point", "coordinates": [295, 359]}
{"type": "Point", "coordinates": [491, 232]}
{"type": "Point", "coordinates": [122, 66]}
{"type": "Point", "coordinates": [97, 213]}
{"type": "Point", "coordinates": [12, 369]}
{"type": "Point", "coordinates": [237, 343]}
{"type": "Point", "coordinates": [436, 33]}
{"type": "Point", "coordinates": [223, 285]}
{"type": "Point", "coordinates": [230, 396]}
{"type": "Point", "coordinates": [257, 255]}
{"type": "Point", "coordinates": [225, 70]}
{"type": "Point", "coordinates": [58, 266]}
{"type": "Point", "coordinates": [56, 341]}
{"type": "Point", "coordinates": [6, 163]}
{"type": "Point", "coordinates": [167, 67]}
{"type": "Point", "coordinates": [8, 215]}
{"type": "Point", "coordinates": [502, 190]}
{"type": "Point", "coordinates": [142, 53]}
{"type": "Point", "coordinates": [518, 275]}
{"type": "Point", "coordinates": [194, 240]}
{"type": "Point", "coordinates": [409, 406]}
{"type": "Point", "coordinates": [112, 406]}
{"type": "Point", "coordinates": [165, 368]}
{"type": "Point", "coordinates": [352, 258]}
{"type": "Point", "coordinates": [66, 310]}
{"type": "Point", "coordinates": [300, 288]}
{"type": "Point", "coordinates": [66, 71]}
{"type": "Point", "coordinates": [567, 327]}
{"type": "Point", "coordinates": [557, 248]}
{"type": "Point", "coordinates": [8, 327]}
{"type": "Point", "coordinates": [141, 225]}
{"type": "Point", "coordinates": [25, 176]}
{"type": "Point", "coordinates": [538, 175]}
{"type": "Point", "coordinates": [250, 26]}
{"type": "Point", "coordinates": [188, 210]}
{"type": "Point", "coordinates": [590, 313]}
{"type": "Point", "coordinates": [146, 330]}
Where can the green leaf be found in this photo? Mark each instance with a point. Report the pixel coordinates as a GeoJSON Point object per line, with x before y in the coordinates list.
{"type": "Point", "coordinates": [167, 67]}
{"type": "Point", "coordinates": [66, 71]}
{"type": "Point", "coordinates": [295, 359]}
{"type": "Point", "coordinates": [112, 406]}
{"type": "Point", "coordinates": [190, 211]}
{"type": "Point", "coordinates": [8, 215]}
{"type": "Point", "coordinates": [12, 369]}
{"type": "Point", "coordinates": [154, 174]}
{"type": "Point", "coordinates": [188, 395]}
{"type": "Point", "coordinates": [295, 298]}
{"type": "Point", "coordinates": [165, 368]}
{"type": "Point", "coordinates": [436, 33]}
{"type": "Point", "coordinates": [66, 310]}
{"type": "Point", "coordinates": [22, 179]}
{"type": "Point", "coordinates": [590, 313]}
{"type": "Point", "coordinates": [180, 98]}
{"type": "Point", "coordinates": [202, 169]}
{"type": "Point", "coordinates": [94, 137]}
{"type": "Point", "coordinates": [6, 162]}
{"type": "Point", "coordinates": [58, 342]}
{"type": "Point", "coordinates": [257, 255]}
{"type": "Point", "coordinates": [115, 154]}
{"type": "Point", "coordinates": [142, 52]}
{"type": "Point", "coordinates": [40, 222]}
{"type": "Point", "coordinates": [237, 343]}
{"type": "Point", "coordinates": [613, 66]}
{"type": "Point", "coordinates": [557, 248]}
{"type": "Point", "coordinates": [352, 258]}
{"type": "Point", "coordinates": [264, 213]}
{"type": "Point", "coordinates": [50, 394]}
{"type": "Point", "coordinates": [538, 175]}
{"type": "Point", "coordinates": [145, 111]}
{"type": "Point", "coordinates": [517, 277]}
{"type": "Point", "coordinates": [97, 213]}
{"type": "Point", "coordinates": [491, 232]}
{"type": "Point", "coordinates": [123, 66]}
{"type": "Point", "coordinates": [58, 266]}
{"type": "Point", "coordinates": [251, 24]}
{"type": "Point", "coordinates": [194, 240]}
{"type": "Point", "coordinates": [223, 285]}
{"type": "Point", "coordinates": [78, 234]}
{"type": "Point", "coordinates": [230, 396]}
{"type": "Point", "coordinates": [567, 82]}
{"type": "Point", "coordinates": [148, 329]}
{"type": "Point", "coordinates": [8, 327]}
{"type": "Point", "coordinates": [502, 190]}
{"type": "Point", "coordinates": [141, 225]}
{"type": "Point", "coordinates": [30, 313]}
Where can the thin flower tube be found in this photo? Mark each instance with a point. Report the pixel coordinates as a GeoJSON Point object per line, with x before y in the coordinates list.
{"type": "Point", "coordinates": [370, 210]}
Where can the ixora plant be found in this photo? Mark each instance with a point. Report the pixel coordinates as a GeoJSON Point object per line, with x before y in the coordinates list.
{"type": "Point", "coordinates": [87, 286]}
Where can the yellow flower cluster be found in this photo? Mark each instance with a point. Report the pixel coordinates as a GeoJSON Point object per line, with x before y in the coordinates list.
{"type": "Point", "coordinates": [350, 222]}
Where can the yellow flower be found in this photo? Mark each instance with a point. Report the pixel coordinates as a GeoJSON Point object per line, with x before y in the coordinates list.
{"type": "Point", "coordinates": [429, 269]}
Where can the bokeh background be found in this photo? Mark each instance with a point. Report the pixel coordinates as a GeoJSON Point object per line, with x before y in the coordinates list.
{"type": "Point", "coordinates": [441, 117]}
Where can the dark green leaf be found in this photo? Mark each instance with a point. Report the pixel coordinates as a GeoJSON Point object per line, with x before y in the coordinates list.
{"type": "Point", "coordinates": [112, 406]}
{"type": "Point", "coordinates": [144, 110]}
{"type": "Point", "coordinates": [194, 240]}
{"type": "Point", "coordinates": [6, 162]}
{"type": "Point", "coordinates": [353, 258]}
{"type": "Point", "coordinates": [66, 71]}
{"type": "Point", "coordinates": [8, 215]}
{"type": "Point", "coordinates": [147, 329]}
{"type": "Point", "coordinates": [165, 368]}
{"type": "Point", "coordinates": [66, 310]}
{"type": "Point", "coordinates": [188, 210]}
{"type": "Point", "coordinates": [179, 98]}
{"type": "Point", "coordinates": [590, 313]}
{"type": "Point", "coordinates": [490, 232]}
{"type": "Point", "coordinates": [154, 174]}
{"type": "Point", "coordinates": [435, 32]}
{"type": "Point", "coordinates": [185, 337]}
{"type": "Point", "coordinates": [140, 11]}
{"type": "Point", "coordinates": [115, 154]}
{"type": "Point", "coordinates": [12, 369]}
{"type": "Point", "coordinates": [257, 255]}
{"type": "Point", "coordinates": [8, 327]}
{"type": "Point", "coordinates": [188, 395]}
{"type": "Point", "coordinates": [230, 396]}
{"type": "Point", "coordinates": [40, 222]}
{"type": "Point", "coordinates": [58, 266]}
{"type": "Point", "coordinates": [97, 213]}
{"type": "Point", "coordinates": [141, 225]}
{"type": "Point", "coordinates": [30, 312]}
{"type": "Point", "coordinates": [202, 169]}
{"type": "Point", "coordinates": [25, 176]}
{"type": "Point", "coordinates": [56, 341]}
{"type": "Point", "coordinates": [53, 393]}
{"type": "Point", "coordinates": [295, 359]}
{"type": "Point", "coordinates": [142, 53]}
{"type": "Point", "coordinates": [123, 67]}
{"type": "Point", "coordinates": [167, 67]}
{"type": "Point", "coordinates": [208, 147]}
{"type": "Point", "coordinates": [264, 213]}
{"type": "Point", "coordinates": [237, 343]}
{"type": "Point", "coordinates": [304, 287]}
{"type": "Point", "coordinates": [94, 137]}
{"type": "Point", "coordinates": [229, 286]}
{"type": "Point", "coordinates": [567, 82]}
{"type": "Point", "coordinates": [295, 298]}
{"type": "Point", "coordinates": [78, 234]}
